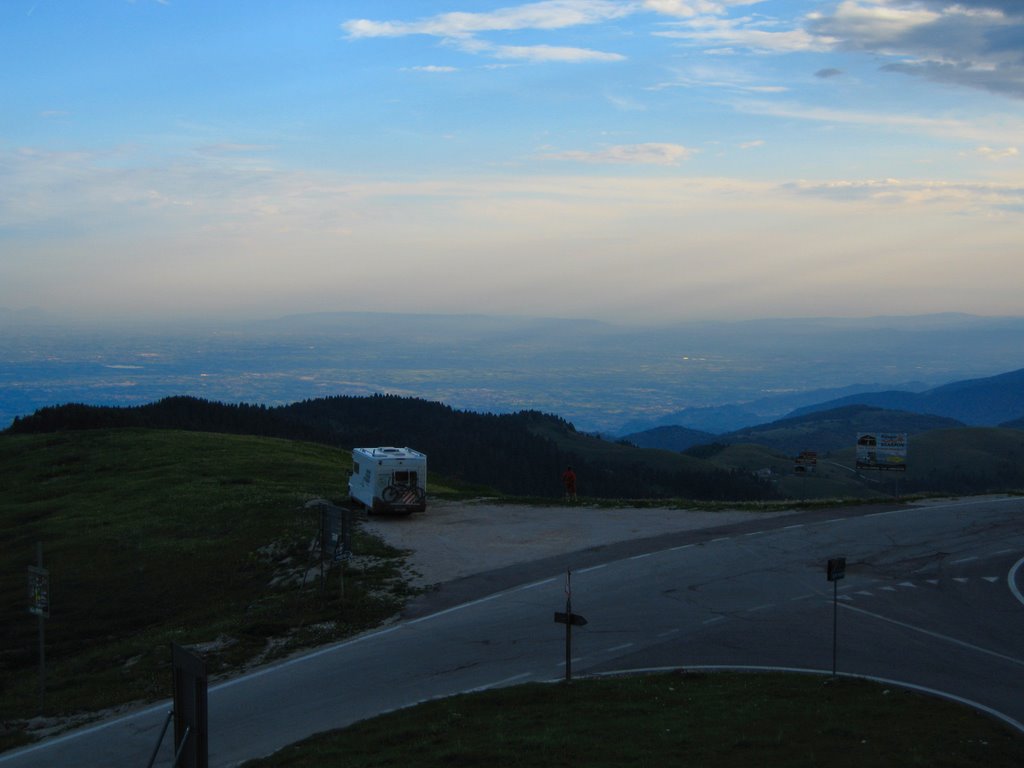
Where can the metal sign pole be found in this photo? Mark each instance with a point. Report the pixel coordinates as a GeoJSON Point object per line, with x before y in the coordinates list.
{"type": "Point", "coordinates": [568, 626]}
{"type": "Point", "coordinates": [835, 571]}
{"type": "Point", "coordinates": [569, 619]}
{"type": "Point", "coordinates": [835, 624]}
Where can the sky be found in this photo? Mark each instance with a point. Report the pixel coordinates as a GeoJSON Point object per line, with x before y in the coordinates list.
{"type": "Point", "coordinates": [624, 160]}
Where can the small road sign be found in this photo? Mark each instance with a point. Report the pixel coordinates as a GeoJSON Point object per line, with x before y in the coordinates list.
{"type": "Point", "coordinates": [836, 568]}
{"type": "Point", "coordinates": [39, 591]}
{"type": "Point", "coordinates": [570, 618]}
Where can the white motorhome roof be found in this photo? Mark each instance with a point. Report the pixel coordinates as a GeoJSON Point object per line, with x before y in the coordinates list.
{"type": "Point", "coordinates": [386, 452]}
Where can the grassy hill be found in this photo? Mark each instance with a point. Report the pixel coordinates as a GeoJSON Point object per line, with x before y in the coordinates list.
{"type": "Point", "coordinates": [154, 536]}
{"type": "Point", "coordinates": [521, 454]}
{"type": "Point", "coordinates": [835, 429]}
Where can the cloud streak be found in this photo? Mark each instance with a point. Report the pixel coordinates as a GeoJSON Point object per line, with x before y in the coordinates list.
{"type": "Point", "coordinates": [651, 153]}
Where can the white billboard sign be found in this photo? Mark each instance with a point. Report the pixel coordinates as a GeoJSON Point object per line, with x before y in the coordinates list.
{"type": "Point", "coordinates": [882, 450]}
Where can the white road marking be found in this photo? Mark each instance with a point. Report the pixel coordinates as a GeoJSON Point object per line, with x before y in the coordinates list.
{"type": "Point", "coordinates": [500, 683]}
{"type": "Point", "coordinates": [592, 568]}
{"type": "Point", "coordinates": [939, 636]}
{"type": "Point", "coordinates": [713, 619]}
{"type": "Point", "coordinates": [908, 584]}
{"type": "Point", "coordinates": [1011, 580]}
{"type": "Point", "coordinates": [970, 559]}
{"type": "Point", "coordinates": [791, 527]}
{"type": "Point", "coordinates": [622, 647]}
{"type": "Point", "coordinates": [764, 607]}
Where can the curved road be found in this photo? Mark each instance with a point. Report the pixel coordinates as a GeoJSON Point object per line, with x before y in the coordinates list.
{"type": "Point", "coordinates": [932, 597]}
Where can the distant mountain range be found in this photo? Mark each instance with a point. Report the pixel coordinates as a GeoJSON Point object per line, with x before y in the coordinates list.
{"type": "Point", "coordinates": [979, 402]}
{"type": "Point", "coordinates": [829, 425]}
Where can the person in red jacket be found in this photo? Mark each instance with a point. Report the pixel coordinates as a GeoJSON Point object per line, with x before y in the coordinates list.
{"type": "Point", "coordinates": [569, 482]}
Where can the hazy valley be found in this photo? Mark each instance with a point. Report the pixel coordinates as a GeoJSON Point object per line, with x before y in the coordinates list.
{"type": "Point", "coordinates": [715, 377]}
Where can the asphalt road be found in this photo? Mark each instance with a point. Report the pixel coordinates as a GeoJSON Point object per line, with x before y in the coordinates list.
{"type": "Point", "coordinates": [931, 598]}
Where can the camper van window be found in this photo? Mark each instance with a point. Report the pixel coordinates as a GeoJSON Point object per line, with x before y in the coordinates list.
{"type": "Point", "coordinates": [355, 468]}
{"type": "Point", "coordinates": [401, 477]}
{"type": "Point", "coordinates": [366, 477]}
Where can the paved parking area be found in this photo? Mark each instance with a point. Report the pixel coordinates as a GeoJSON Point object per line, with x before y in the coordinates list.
{"type": "Point", "coordinates": [452, 540]}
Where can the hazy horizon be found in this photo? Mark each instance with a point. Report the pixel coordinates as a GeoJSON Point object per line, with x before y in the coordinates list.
{"type": "Point", "coordinates": [599, 376]}
{"type": "Point", "coordinates": [634, 161]}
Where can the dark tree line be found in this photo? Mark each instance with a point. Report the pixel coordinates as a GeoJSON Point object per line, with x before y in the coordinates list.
{"type": "Point", "coordinates": [502, 452]}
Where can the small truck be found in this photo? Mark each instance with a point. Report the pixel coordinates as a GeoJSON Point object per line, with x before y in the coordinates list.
{"type": "Point", "coordinates": [389, 479]}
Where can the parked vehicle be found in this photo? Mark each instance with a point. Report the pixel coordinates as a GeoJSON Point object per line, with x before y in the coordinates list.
{"type": "Point", "coordinates": [389, 480]}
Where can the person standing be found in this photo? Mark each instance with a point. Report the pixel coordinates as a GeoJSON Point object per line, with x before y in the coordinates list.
{"type": "Point", "coordinates": [569, 483]}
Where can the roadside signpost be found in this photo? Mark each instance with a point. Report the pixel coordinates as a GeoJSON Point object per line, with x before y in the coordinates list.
{"type": "Point", "coordinates": [334, 538]}
{"type": "Point", "coordinates": [835, 571]}
{"type": "Point", "coordinates": [39, 606]}
{"type": "Point", "coordinates": [191, 738]}
{"type": "Point", "coordinates": [570, 620]}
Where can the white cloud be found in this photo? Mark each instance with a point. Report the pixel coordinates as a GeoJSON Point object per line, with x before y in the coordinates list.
{"type": "Point", "coordinates": [652, 153]}
{"type": "Point", "coordinates": [994, 131]}
{"type": "Point", "coordinates": [998, 154]}
{"type": "Point", "coordinates": [691, 8]}
{"type": "Point", "coordinates": [717, 75]}
{"type": "Point", "coordinates": [536, 54]}
{"type": "Point", "coordinates": [434, 68]}
{"type": "Point", "coordinates": [961, 196]}
{"type": "Point", "coordinates": [464, 29]}
{"type": "Point", "coordinates": [753, 33]}
{"type": "Point", "coordinates": [550, 14]}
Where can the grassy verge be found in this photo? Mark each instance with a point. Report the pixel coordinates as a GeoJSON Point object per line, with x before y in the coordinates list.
{"type": "Point", "coordinates": [159, 536]}
{"type": "Point", "coordinates": [713, 721]}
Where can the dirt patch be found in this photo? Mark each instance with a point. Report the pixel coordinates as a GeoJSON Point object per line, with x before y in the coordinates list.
{"type": "Point", "coordinates": [452, 540]}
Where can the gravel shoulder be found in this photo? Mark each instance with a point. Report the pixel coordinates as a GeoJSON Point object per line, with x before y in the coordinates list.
{"type": "Point", "coordinates": [455, 540]}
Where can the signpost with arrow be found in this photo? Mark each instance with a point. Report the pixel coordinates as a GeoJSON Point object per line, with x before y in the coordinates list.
{"type": "Point", "coordinates": [570, 620]}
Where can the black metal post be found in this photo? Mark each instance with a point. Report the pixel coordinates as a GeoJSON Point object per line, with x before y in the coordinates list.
{"type": "Point", "coordinates": [568, 639]}
{"type": "Point", "coordinates": [835, 623]}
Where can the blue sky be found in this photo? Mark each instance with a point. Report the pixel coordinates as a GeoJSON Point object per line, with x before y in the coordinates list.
{"type": "Point", "coordinates": [628, 160]}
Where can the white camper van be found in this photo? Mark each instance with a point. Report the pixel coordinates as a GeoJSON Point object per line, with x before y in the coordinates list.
{"type": "Point", "coordinates": [389, 480]}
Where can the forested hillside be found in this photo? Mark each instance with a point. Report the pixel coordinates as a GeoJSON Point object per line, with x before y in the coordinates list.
{"type": "Point", "coordinates": [521, 454]}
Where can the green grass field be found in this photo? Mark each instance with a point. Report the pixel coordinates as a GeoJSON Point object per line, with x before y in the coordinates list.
{"type": "Point", "coordinates": [719, 720]}
{"type": "Point", "coordinates": [159, 536]}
